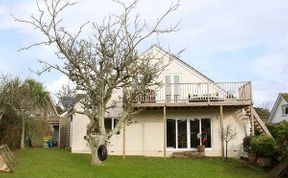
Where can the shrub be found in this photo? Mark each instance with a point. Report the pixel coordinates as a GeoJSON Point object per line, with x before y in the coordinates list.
{"type": "Point", "coordinates": [36, 129]}
{"type": "Point", "coordinates": [10, 130]}
{"type": "Point", "coordinates": [246, 144]}
{"type": "Point", "coordinates": [263, 146]}
{"type": "Point", "coordinates": [280, 133]}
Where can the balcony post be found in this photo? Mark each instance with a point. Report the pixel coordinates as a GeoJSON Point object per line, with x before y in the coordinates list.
{"type": "Point", "coordinates": [208, 94]}
{"type": "Point", "coordinates": [124, 142]}
{"type": "Point", "coordinates": [222, 131]}
{"type": "Point", "coordinates": [164, 131]}
{"type": "Point", "coordinates": [251, 96]}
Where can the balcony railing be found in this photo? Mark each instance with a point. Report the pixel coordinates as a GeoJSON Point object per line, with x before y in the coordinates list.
{"type": "Point", "coordinates": [198, 92]}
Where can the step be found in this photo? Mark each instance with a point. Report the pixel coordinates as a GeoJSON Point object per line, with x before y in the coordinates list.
{"type": "Point", "coordinates": [188, 154]}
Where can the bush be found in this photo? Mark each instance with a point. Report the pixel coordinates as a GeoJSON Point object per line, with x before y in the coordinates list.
{"type": "Point", "coordinates": [263, 146]}
{"type": "Point", "coordinates": [246, 144]}
{"type": "Point", "coordinates": [280, 133]}
{"type": "Point", "coordinates": [36, 129]}
{"type": "Point", "coordinates": [10, 130]}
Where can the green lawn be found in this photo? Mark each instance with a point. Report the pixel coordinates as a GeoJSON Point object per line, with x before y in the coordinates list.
{"type": "Point", "coordinates": [52, 163]}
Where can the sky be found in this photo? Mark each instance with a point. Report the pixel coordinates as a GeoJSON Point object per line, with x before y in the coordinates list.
{"type": "Point", "coordinates": [226, 40]}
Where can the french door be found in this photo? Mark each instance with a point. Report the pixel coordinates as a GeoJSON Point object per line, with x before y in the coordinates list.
{"type": "Point", "coordinates": [188, 133]}
{"type": "Point", "coordinates": [172, 88]}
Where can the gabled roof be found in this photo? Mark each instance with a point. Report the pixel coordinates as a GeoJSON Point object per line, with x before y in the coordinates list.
{"type": "Point", "coordinates": [285, 96]}
{"type": "Point", "coordinates": [276, 105]}
{"type": "Point", "coordinates": [180, 61]}
{"type": "Point", "coordinates": [52, 104]}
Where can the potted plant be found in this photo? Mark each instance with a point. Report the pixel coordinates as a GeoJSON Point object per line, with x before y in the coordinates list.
{"type": "Point", "coordinates": [204, 140]}
{"type": "Point", "coordinates": [264, 147]}
{"type": "Point", "coordinates": [247, 148]}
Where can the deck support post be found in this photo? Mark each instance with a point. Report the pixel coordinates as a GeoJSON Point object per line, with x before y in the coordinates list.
{"type": "Point", "coordinates": [164, 132]}
{"type": "Point", "coordinates": [124, 142]}
{"type": "Point", "coordinates": [252, 121]}
{"type": "Point", "coordinates": [222, 131]}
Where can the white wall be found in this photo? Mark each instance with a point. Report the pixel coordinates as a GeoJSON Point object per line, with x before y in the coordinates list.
{"type": "Point", "coordinates": [175, 67]}
{"type": "Point", "coordinates": [146, 136]}
{"type": "Point", "coordinates": [278, 117]}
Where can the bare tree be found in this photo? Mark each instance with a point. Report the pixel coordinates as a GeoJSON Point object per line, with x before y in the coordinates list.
{"type": "Point", "coordinates": [105, 63]}
{"type": "Point", "coordinates": [228, 134]}
{"type": "Point", "coordinates": [66, 96]}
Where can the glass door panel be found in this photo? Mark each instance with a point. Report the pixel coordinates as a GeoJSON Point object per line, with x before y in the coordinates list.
{"type": "Point", "coordinates": [171, 133]}
{"type": "Point", "coordinates": [194, 130]}
{"type": "Point", "coordinates": [182, 133]}
{"type": "Point", "coordinates": [206, 132]}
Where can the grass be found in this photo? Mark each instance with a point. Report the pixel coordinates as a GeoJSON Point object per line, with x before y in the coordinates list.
{"type": "Point", "coordinates": [60, 163]}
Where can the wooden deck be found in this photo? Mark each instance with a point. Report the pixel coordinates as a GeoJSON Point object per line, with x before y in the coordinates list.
{"type": "Point", "coordinates": [195, 104]}
{"type": "Point", "coordinates": [197, 95]}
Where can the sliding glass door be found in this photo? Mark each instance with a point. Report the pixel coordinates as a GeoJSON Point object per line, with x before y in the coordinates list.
{"type": "Point", "coordinates": [206, 132]}
{"type": "Point", "coordinates": [171, 133]}
{"type": "Point", "coordinates": [188, 133]}
{"type": "Point", "coordinates": [182, 133]}
{"type": "Point", "coordinates": [194, 131]}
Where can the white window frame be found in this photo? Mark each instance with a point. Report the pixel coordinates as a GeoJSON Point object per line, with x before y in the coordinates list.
{"type": "Point", "coordinates": [188, 134]}
{"type": "Point", "coordinates": [112, 124]}
{"type": "Point", "coordinates": [283, 109]}
{"type": "Point", "coordinates": [172, 83]}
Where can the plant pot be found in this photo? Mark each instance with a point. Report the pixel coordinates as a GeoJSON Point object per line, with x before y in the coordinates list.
{"type": "Point", "coordinates": [201, 148]}
{"type": "Point", "coordinates": [264, 162]}
{"type": "Point", "coordinates": [252, 158]}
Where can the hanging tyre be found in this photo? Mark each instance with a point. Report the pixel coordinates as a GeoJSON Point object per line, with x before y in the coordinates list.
{"type": "Point", "coordinates": [102, 152]}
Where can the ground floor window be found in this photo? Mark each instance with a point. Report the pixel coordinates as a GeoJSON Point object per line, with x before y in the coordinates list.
{"type": "Point", "coordinates": [188, 133]}
{"type": "Point", "coordinates": [171, 133]}
{"type": "Point", "coordinates": [284, 109]}
{"type": "Point", "coordinates": [110, 124]}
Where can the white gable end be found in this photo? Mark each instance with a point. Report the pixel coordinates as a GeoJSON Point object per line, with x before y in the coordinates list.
{"type": "Point", "coordinates": [176, 68]}
{"type": "Point", "coordinates": [277, 113]}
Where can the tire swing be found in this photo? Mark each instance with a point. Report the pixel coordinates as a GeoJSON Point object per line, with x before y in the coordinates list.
{"type": "Point", "coordinates": [102, 152]}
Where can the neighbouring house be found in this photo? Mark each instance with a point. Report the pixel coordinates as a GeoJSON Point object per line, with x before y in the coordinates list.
{"type": "Point", "coordinates": [60, 125]}
{"type": "Point", "coordinates": [186, 105]}
{"type": "Point", "coordinates": [53, 119]}
{"type": "Point", "coordinates": [51, 115]}
{"type": "Point", "coordinates": [280, 109]}
{"type": "Point", "coordinates": [49, 121]}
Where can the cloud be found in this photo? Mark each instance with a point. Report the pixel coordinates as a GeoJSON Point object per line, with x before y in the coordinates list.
{"type": "Point", "coordinates": [270, 75]}
{"type": "Point", "coordinates": [209, 31]}
{"type": "Point", "coordinates": [55, 85]}
{"type": "Point", "coordinates": [270, 67]}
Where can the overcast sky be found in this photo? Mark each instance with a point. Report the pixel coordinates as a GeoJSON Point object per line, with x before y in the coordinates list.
{"type": "Point", "coordinates": [225, 40]}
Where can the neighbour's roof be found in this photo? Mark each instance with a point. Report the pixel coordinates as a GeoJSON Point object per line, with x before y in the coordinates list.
{"type": "Point", "coordinates": [285, 96]}
{"type": "Point", "coordinates": [52, 104]}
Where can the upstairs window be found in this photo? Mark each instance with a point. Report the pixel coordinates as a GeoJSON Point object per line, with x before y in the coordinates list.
{"type": "Point", "coordinates": [284, 109]}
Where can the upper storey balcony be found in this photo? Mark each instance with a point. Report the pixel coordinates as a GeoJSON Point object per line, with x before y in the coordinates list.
{"type": "Point", "coordinates": [198, 94]}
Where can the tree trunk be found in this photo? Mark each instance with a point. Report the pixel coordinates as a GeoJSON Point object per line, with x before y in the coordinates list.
{"type": "Point", "coordinates": [226, 151]}
{"type": "Point", "coordinates": [22, 144]}
{"type": "Point", "coordinates": [95, 159]}
{"type": "Point", "coordinates": [95, 142]}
